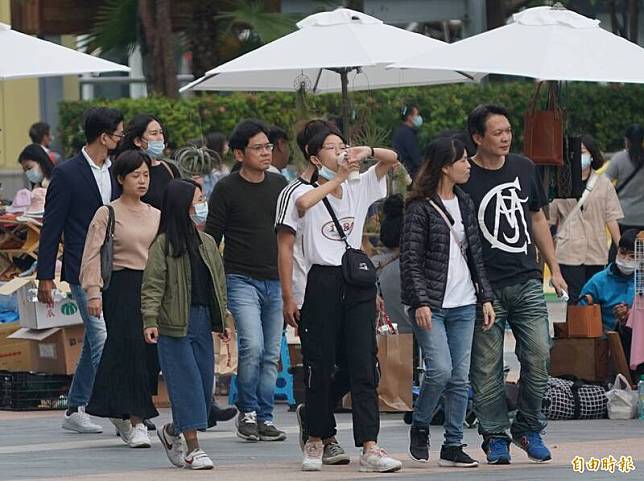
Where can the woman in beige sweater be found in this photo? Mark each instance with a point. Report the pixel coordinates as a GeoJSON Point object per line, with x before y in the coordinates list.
{"type": "Point", "coordinates": [122, 388]}
{"type": "Point", "coordinates": [581, 243]}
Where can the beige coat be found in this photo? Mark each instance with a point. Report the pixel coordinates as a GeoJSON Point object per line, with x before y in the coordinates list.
{"type": "Point", "coordinates": [582, 240]}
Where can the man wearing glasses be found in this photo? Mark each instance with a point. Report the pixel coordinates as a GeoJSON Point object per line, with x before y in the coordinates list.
{"type": "Point", "coordinates": [78, 188]}
{"type": "Point", "coordinates": [241, 210]}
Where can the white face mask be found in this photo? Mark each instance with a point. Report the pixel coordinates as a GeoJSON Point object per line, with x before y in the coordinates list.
{"type": "Point", "coordinates": [626, 266]}
{"type": "Point", "coordinates": [586, 160]}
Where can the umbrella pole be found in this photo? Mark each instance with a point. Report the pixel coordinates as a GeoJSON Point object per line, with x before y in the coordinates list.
{"type": "Point", "coordinates": [344, 81]}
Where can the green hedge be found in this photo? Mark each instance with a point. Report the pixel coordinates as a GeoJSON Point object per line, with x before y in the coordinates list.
{"type": "Point", "coordinates": [602, 111]}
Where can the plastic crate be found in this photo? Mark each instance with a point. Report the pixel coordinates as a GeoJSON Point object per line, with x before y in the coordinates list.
{"type": "Point", "coordinates": [28, 391]}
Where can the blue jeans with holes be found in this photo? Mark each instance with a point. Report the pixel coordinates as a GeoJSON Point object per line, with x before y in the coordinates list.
{"type": "Point", "coordinates": [93, 341]}
{"type": "Point", "coordinates": [187, 364]}
{"type": "Point", "coordinates": [523, 307]}
{"type": "Point", "coordinates": [446, 349]}
{"type": "Point", "coordinates": [256, 306]}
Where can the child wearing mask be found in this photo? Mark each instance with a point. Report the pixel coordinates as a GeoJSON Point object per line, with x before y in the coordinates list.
{"type": "Point", "coordinates": [183, 300]}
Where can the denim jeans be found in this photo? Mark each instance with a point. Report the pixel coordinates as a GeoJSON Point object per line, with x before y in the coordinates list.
{"type": "Point", "coordinates": [446, 351]}
{"type": "Point", "coordinates": [188, 364]}
{"type": "Point", "coordinates": [93, 341]}
{"type": "Point", "coordinates": [256, 306]}
{"type": "Point", "coordinates": [523, 307]}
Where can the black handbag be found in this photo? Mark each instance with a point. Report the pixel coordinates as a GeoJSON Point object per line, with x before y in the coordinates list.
{"type": "Point", "coordinates": [357, 268]}
{"type": "Point", "coordinates": [107, 249]}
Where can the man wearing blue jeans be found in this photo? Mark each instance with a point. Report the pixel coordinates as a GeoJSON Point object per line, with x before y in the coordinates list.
{"type": "Point", "coordinates": [78, 188]}
{"type": "Point", "coordinates": [241, 210]}
{"type": "Point", "coordinates": [509, 199]}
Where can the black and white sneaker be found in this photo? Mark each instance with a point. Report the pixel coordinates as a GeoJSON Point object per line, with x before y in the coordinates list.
{"type": "Point", "coordinates": [268, 432]}
{"type": "Point", "coordinates": [247, 426]}
{"type": "Point", "coordinates": [454, 457]}
{"type": "Point", "coordinates": [419, 444]}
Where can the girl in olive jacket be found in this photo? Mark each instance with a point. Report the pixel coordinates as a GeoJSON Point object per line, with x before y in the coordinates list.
{"type": "Point", "coordinates": [183, 300]}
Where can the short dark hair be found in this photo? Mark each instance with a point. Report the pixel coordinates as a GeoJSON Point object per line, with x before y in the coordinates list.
{"type": "Point", "coordinates": [100, 120]}
{"type": "Point", "coordinates": [244, 130]}
{"type": "Point", "coordinates": [36, 153]}
{"type": "Point", "coordinates": [627, 240]}
{"type": "Point", "coordinates": [38, 130]}
{"type": "Point", "coordinates": [310, 129]}
{"type": "Point", "coordinates": [635, 134]}
{"type": "Point", "coordinates": [594, 151]}
{"type": "Point", "coordinates": [477, 118]}
{"type": "Point", "coordinates": [276, 133]}
{"type": "Point", "coordinates": [316, 143]}
{"type": "Point", "coordinates": [128, 161]}
{"type": "Point", "coordinates": [391, 223]}
{"type": "Point", "coordinates": [407, 109]}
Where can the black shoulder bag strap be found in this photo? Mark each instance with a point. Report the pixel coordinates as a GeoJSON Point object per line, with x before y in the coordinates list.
{"type": "Point", "coordinates": [619, 188]}
{"type": "Point", "coordinates": [336, 222]}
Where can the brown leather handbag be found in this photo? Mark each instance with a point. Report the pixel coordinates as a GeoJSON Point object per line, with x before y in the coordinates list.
{"type": "Point", "coordinates": [543, 130]}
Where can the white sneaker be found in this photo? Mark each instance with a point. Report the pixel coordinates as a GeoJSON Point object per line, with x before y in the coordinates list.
{"type": "Point", "coordinates": [376, 460]}
{"type": "Point", "coordinates": [139, 437]}
{"type": "Point", "coordinates": [80, 422]}
{"type": "Point", "coordinates": [197, 459]}
{"type": "Point", "coordinates": [123, 428]}
{"type": "Point", "coordinates": [173, 446]}
{"type": "Point", "coordinates": [313, 451]}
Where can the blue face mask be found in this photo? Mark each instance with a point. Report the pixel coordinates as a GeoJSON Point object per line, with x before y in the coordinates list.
{"type": "Point", "coordinates": [586, 160]}
{"type": "Point", "coordinates": [418, 121]}
{"type": "Point", "coordinates": [155, 148]}
{"type": "Point", "coordinates": [201, 213]}
{"type": "Point", "coordinates": [327, 173]}
{"type": "Point", "coordinates": [34, 175]}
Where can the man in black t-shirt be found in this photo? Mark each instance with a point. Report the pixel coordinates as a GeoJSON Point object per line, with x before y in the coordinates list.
{"type": "Point", "coordinates": [241, 209]}
{"type": "Point", "coordinates": [509, 198]}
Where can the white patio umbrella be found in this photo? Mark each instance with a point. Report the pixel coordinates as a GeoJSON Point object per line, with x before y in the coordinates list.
{"type": "Point", "coordinates": [546, 43]}
{"type": "Point", "coordinates": [24, 56]}
{"type": "Point", "coordinates": [331, 52]}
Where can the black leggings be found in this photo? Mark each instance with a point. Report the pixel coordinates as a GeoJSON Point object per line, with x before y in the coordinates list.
{"type": "Point", "coordinates": [337, 327]}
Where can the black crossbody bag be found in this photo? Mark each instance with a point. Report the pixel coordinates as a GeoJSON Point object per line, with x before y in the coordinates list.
{"type": "Point", "coordinates": [357, 268]}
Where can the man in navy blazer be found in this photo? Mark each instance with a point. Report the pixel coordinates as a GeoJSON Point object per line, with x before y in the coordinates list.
{"type": "Point", "coordinates": [77, 189]}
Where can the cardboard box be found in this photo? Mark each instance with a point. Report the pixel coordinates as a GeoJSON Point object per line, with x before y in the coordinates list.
{"type": "Point", "coordinates": [585, 358]}
{"type": "Point", "coordinates": [55, 350]}
{"type": "Point", "coordinates": [35, 315]}
{"type": "Point", "coordinates": [584, 321]}
{"type": "Point", "coordinates": [15, 354]}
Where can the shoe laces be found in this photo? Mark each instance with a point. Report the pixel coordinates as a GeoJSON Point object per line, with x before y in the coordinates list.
{"type": "Point", "coordinates": [333, 448]}
{"type": "Point", "coordinates": [377, 451]}
{"type": "Point", "coordinates": [197, 454]}
{"type": "Point", "coordinates": [268, 423]}
{"type": "Point", "coordinates": [250, 417]}
{"type": "Point", "coordinates": [534, 438]}
{"type": "Point", "coordinates": [497, 445]}
{"type": "Point", "coordinates": [314, 449]}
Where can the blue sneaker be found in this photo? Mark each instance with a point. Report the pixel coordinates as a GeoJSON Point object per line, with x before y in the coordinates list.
{"type": "Point", "coordinates": [532, 444]}
{"type": "Point", "coordinates": [497, 450]}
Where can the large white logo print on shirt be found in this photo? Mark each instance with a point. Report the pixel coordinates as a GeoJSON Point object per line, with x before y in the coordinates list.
{"type": "Point", "coordinates": [507, 207]}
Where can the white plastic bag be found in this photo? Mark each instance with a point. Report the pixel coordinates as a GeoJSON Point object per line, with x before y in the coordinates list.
{"type": "Point", "coordinates": [622, 400]}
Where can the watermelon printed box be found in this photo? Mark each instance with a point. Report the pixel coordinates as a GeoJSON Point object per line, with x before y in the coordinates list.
{"type": "Point", "coordinates": [35, 315]}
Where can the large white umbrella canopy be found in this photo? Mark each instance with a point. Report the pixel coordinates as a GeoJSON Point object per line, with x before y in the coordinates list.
{"type": "Point", "coordinates": [24, 56]}
{"type": "Point", "coordinates": [546, 43]}
{"type": "Point", "coordinates": [326, 45]}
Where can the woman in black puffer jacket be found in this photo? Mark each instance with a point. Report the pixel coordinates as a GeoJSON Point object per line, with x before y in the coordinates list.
{"type": "Point", "coordinates": [443, 276]}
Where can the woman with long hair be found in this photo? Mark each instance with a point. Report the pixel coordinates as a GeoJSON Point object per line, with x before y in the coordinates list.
{"type": "Point", "coordinates": [443, 277]}
{"type": "Point", "coordinates": [36, 165]}
{"type": "Point", "coordinates": [121, 388]}
{"type": "Point", "coordinates": [183, 301]}
{"type": "Point", "coordinates": [626, 169]}
{"type": "Point", "coordinates": [337, 315]}
{"type": "Point", "coordinates": [147, 133]}
{"type": "Point", "coordinates": [581, 224]}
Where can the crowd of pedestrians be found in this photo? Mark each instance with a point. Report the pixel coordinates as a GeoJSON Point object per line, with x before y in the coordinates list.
{"type": "Point", "coordinates": [464, 253]}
